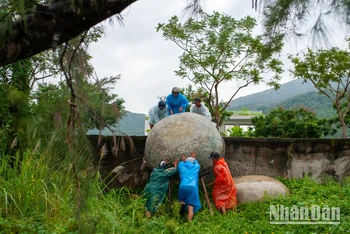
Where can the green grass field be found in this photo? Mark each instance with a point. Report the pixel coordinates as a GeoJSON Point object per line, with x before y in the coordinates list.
{"type": "Point", "coordinates": [37, 197]}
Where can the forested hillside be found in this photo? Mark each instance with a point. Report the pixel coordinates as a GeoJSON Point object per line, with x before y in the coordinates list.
{"type": "Point", "coordinates": [291, 94]}
{"type": "Point", "coordinates": [132, 124]}
{"type": "Point", "coordinates": [268, 98]}
{"type": "Point", "coordinates": [296, 95]}
{"type": "Point", "coordinates": [311, 100]}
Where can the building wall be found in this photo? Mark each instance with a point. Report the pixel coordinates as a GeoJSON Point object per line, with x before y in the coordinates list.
{"type": "Point", "coordinates": [236, 121]}
{"type": "Point", "coordinates": [291, 158]}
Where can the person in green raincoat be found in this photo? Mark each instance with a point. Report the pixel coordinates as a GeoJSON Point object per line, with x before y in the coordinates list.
{"type": "Point", "coordinates": [157, 186]}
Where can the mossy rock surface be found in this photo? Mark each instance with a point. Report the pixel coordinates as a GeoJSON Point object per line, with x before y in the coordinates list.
{"type": "Point", "coordinates": [180, 134]}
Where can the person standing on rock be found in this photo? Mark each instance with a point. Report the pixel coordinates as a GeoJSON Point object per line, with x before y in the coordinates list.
{"type": "Point", "coordinates": [224, 189]}
{"type": "Point", "coordinates": [157, 113]}
{"type": "Point", "coordinates": [177, 103]}
{"type": "Point", "coordinates": [200, 108]}
{"type": "Point", "coordinates": [157, 186]}
{"type": "Point", "coordinates": [188, 195]}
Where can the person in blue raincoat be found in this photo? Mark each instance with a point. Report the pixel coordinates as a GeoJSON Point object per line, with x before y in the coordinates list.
{"type": "Point", "coordinates": [157, 186]}
{"type": "Point", "coordinates": [177, 103]}
{"type": "Point", "coordinates": [188, 195]}
{"type": "Point", "coordinates": [157, 113]}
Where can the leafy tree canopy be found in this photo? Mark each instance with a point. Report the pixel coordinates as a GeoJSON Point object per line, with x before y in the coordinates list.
{"type": "Point", "coordinates": [191, 94]}
{"type": "Point", "coordinates": [328, 71]}
{"type": "Point", "coordinates": [14, 104]}
{"type": "Point", "coordinates": [218, 49]}
{"type": "Point", "coordinates": [291, 123]}
{"type": "Point", "coordinates": [29, 114]}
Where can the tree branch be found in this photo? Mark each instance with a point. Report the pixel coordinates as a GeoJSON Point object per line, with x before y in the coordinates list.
{"type": "Point", "coordinates": [241, 87]}
{"type": "Point", "coordinates": [52, 91]}
{"type": "Point", "coordinates": [59, 22]}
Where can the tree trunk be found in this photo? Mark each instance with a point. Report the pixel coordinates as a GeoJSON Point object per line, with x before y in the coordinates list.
{"type": "Point", "coordinates": [342, 121]}
{"type": "Point", "coordinates": [343, 127]}
{"type": "Point", "coordinates": [217, 122]}
{"type": "Point", "coordinates": [50, 26]}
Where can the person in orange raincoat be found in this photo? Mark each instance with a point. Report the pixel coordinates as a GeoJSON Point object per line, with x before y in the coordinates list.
{"type": "Point", "coordinates": [224, 190]}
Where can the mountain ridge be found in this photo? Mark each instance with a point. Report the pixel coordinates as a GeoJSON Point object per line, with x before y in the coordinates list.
{"type": "Point", "coordinates": [271, 97]}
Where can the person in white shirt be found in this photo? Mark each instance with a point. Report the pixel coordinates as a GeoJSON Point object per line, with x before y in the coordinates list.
{"type": "Point", "coordinates": [200, 108]}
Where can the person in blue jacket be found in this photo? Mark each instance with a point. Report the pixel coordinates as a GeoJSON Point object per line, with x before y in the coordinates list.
{"type": "Point", "coordinates": [188, 195]}
{"type": "Point", "coordinates": [177, 103]}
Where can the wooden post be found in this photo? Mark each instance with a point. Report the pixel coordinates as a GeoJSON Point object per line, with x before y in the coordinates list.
{"type": "Point", "coordinates": [206, 195]}
{"type": "Point", "coordinates": [170, 192]}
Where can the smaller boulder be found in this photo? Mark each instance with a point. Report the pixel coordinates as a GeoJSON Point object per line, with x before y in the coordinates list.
{"type": "Point", "coordinates": [253, 188]}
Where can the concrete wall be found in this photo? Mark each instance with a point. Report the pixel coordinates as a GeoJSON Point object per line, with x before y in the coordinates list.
{"type": "Point", "coordinates": [127, 165]}
{"type": "Point", "coordinates": [291, 158]}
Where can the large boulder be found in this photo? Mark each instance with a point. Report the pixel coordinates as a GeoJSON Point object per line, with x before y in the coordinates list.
{"type": "Point", "coordinates": [253, 188]}
{"type": "Point", "coordinates": [180, 134]}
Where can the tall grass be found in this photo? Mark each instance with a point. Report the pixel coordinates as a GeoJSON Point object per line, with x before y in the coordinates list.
{"type": "Point", "coordinates": [32, 192]}
{"type": "Point", "coordinates": [39, 196]}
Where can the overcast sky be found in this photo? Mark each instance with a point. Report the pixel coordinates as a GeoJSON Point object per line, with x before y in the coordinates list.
{"type": "Point", "coordinates": [147, 62]}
